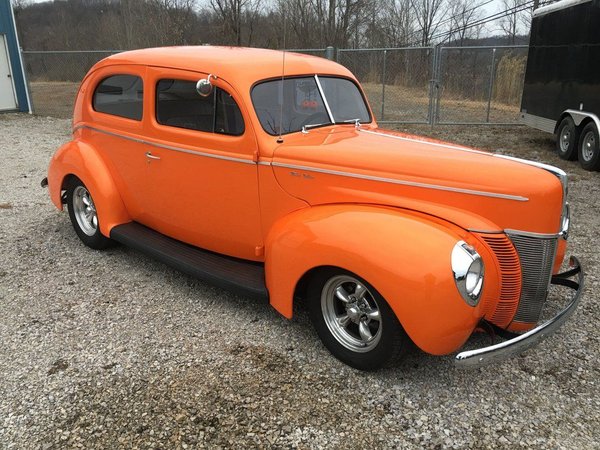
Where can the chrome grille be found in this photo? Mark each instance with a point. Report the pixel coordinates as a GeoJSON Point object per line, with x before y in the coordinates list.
{"type": "Point", "coordinates": [536, 255]}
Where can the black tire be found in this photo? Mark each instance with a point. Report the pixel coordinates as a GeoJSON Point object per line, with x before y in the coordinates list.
{"type": "Point", "coordinates": [589, 150]}
{"type": "Point", "coordinates": [567, 139]}
{"type": "Point", "coordinates": [88, 232]}
{"type": "Point", "coordinates": [389, 340]}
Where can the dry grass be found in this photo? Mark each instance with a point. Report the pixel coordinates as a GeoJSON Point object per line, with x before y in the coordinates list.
{"type": "Point", "coordinates": [54, 98]}
{"type": "Point", "coordinates": [510, 74]}
{"type": "Point", "coordinates": [411, 104]}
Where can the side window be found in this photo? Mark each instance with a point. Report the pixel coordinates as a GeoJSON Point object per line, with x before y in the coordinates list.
{"type": "Point", "coordinates": [228, 117]}
{"type": "Point", "coordinates": [120, 95]}
{"type": "Point", "coordinates": [179, 105]}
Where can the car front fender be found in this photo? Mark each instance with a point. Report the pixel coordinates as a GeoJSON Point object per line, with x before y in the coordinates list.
{"type": "Point", "coordinates": [404, 255]}
{"type": "Point", "coordinates": [84, 162]}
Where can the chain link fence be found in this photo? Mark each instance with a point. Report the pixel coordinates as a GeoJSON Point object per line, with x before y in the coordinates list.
{"type": "Point", "coordinates": [479, 84]}
{"type": "Point", "coordinates": [54, 78]}
{"type": "Point", "coordinates": [397, 81]}
{"type": "Point", "coordinates": [430, 85]}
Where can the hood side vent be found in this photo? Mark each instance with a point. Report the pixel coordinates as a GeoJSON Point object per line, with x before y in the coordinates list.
{"type": "Point", "coordinates": [510, 279]}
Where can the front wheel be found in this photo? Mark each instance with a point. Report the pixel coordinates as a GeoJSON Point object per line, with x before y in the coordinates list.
{"type": "Point", "coordinates": [83, 215]}
{"type": "Point", "coordinates": [589, 150]}
{"type": "Point", "coordinates": [354, 321]}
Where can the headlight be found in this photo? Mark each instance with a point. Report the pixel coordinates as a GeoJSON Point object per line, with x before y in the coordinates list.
{"type": "Point", "coordinates": [467, 267]}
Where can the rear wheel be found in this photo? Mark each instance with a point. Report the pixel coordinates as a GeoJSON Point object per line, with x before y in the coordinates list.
{"type": "Point", "coordinates": [83, 215]}
{"type": "Point", "coordinates": [567, 138]}
{"type": "Point", "coordinates": [354, 321]}
{"type": "Point", "coordinates": [589, 150]}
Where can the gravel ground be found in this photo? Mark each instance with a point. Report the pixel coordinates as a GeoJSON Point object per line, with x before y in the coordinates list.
{"type": "Point", "coordinates": [111, 349]}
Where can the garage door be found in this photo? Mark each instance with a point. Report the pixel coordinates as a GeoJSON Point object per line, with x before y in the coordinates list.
{"type": "Point", "coordinates": [7, 89]}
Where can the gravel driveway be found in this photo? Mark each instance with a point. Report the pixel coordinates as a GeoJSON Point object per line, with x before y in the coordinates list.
{"type": "Point", "coordinates": [111, 349]}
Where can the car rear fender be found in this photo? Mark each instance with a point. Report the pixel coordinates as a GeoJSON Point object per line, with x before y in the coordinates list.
{"type": "Point", "coordinates": [83, 161]}
{"type": "Point", "coordinates": [404, 255]}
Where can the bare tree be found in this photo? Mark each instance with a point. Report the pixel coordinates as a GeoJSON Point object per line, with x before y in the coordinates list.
{"type": "Point", "coordinates": [510, 23]}
{"type": "Point", "coordinates": [391, 24]}
{"type": "Point", "coordinates": [300, 22]}
{"type": "Point", "coordinates": [428, 15]}
{"type": "Point", "coordinates": [233, 13]}
{"type": "Point", "coordinates": [463, 16]}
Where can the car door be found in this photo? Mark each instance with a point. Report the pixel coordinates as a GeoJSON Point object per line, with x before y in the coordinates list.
{"type": "Point", "coordinates": [113, 124]}
{"type": "Point", "coordinates": [202, 173]}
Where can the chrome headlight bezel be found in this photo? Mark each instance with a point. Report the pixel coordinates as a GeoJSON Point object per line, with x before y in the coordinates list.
{"type": "Point", "coordinates": [468, 270]}
{"type": "Point", "coordinates": [565, 221]}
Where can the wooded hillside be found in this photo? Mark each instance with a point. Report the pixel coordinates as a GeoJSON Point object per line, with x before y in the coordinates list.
{"type": "Point", "coordinates": [127, 24]}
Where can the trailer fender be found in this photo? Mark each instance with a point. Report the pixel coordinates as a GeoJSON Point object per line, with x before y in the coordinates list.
{"type": "Point", "coordinates": [578, 117]}
{"type": "Point", "coordinates": [403, 254]}
{"type": "Point", "coordinates": [84, 162]}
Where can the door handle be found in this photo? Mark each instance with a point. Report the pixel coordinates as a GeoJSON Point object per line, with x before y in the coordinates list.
{"type": "Point", "coordinates": [151, 156]}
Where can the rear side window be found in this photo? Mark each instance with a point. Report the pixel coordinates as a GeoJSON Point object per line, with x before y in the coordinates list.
{"type": "Point", "coordinates": [179, 105]}
{"type": "Point", "coordinates": [120, 95]}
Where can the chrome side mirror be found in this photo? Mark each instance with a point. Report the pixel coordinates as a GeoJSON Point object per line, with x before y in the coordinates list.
{"type": "Point", "coordinates": [204, 87]}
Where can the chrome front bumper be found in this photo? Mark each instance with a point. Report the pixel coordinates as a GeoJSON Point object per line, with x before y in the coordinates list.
{"type": "Point", "coordinates": [520, 343]}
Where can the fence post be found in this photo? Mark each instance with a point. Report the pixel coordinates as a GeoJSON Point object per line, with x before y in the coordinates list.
{"type": "Point", "coordinates": [433, 86]}
{"type": "Point", "coordinates": [491, 85]}
{"type": "Point", "coordinates": [27, 84]}
{"type": "Point", "coordinates": [383, 85]}
{"type": "Point", "coordinates": [438, 84]}
{"type": "Point", "coordinates": [330, 53]}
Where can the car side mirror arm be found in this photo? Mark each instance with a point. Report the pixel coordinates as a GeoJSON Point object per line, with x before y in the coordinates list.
{"type": "Point", "coordinates": [204, 87]}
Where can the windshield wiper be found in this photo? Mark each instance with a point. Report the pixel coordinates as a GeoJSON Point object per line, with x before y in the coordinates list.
{"type": "Point", "coordinates": [305, 128]}
{"type": "Point", "coordinates": [356, 122]}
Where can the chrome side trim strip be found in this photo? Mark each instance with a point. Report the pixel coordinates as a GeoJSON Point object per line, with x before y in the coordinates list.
{"type": "Point", "coordinates": [559, 173]}
{"type": "Point", "coordinates": [562, 176]}
{"type": "Point", "coordinates": [474, 230]}
{"type": "Point", "coordinates": [324, 99]}
{"type": "Point", "coordinates": [532, 234]}
{"type": "Point", "coordinates": [166, 147]}
{"type": "Point", "coordinates": [403, 182]}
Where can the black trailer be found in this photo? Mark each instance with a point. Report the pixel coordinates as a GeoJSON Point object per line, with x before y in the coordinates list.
{"type": "Point", "coordinates": [562, 82]}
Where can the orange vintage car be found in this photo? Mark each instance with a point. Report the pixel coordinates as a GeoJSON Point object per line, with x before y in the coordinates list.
{"type": "Point", "coordinates": [267, 173]}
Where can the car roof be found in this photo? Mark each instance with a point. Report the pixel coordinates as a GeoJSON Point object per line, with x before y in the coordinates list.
{"type": "Point", "coordinates": [239, 66]}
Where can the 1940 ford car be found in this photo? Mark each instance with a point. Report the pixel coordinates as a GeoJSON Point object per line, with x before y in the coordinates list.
{"type": "Point", "coordinates": [268, 174]}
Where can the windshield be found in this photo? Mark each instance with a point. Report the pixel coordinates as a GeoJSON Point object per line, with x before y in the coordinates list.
{"type": "Point", "coordinates": [303, 104]}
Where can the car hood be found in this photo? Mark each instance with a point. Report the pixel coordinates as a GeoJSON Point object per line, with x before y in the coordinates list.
{"type": "Point", "coordinates": [474, 189]}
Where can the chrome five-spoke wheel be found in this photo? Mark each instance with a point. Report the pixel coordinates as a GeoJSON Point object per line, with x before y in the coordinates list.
{"type": "Point", "coordinates": [85, 210]}
{"type": "Point", "coordinates": [353, 320]}
{"type": "Point", "coordinates": [83, 215]}
{"type": "Point", "coordinates": [351, 313]}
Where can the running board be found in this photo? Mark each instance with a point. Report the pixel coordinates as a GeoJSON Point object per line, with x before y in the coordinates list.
{"type": "Point", "coordinates": [241, 276]}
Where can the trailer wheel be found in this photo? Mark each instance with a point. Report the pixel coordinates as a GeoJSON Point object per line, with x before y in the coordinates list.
{"type": "Point", "coordinates": [589, 150]}
{"type": "Point", "coordinates": [567, 137]}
